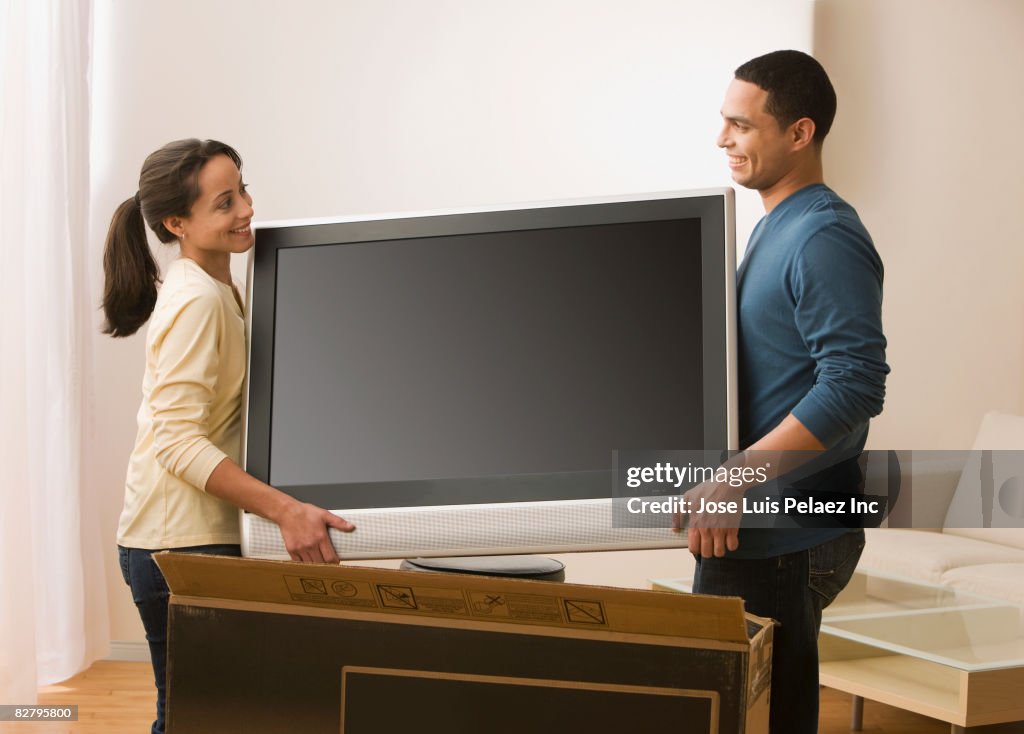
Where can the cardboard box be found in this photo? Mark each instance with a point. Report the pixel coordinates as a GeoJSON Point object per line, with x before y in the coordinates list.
{"type": "Point", "coordinates": [269, 646]}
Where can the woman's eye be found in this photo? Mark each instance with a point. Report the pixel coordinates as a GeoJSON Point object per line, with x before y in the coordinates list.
{"type": "Point", "coordinates": [226, 204]}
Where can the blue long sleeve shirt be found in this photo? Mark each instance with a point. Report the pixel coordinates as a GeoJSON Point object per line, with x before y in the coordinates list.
{"type": "Point", "coordinates": [809, 336]}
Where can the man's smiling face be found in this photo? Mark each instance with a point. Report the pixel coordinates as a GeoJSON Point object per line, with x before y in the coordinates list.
{"type": "Point", "coordinates": [759, 150]}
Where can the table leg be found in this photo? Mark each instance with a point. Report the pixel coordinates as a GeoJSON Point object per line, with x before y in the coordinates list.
{"type": "Point", "coordinates": [857, 713]}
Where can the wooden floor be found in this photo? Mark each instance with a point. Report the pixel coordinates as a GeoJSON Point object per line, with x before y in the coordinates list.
{"type": "Point", "coordinates": [118, 698]}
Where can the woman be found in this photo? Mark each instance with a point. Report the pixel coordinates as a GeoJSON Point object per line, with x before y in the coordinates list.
{"type": "Point", "coordinates": [184, 487]}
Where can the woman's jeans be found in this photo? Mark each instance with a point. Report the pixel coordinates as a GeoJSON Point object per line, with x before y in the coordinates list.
{"type": "Point", "coordinates": [149, 592]}
{"type": "Point", "coordinates": [791, 589]}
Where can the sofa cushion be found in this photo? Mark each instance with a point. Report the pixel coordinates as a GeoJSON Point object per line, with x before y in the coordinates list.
{"type": "Point", "coordinates": [927, 556]}
{"type": "Point", "coordinates": [1003, 581]}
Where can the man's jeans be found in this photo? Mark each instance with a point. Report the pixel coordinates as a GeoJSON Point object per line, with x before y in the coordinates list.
{"type": "Point", "coordinates": [791, 589]}
{"type": "Point", "coordinates": [149, 592]}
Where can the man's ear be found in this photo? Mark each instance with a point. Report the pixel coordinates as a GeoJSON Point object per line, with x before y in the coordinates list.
{"type": "Point", "coordinates": [802, 133]}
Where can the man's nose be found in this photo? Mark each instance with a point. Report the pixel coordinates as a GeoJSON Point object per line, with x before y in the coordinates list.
{"type": "Point", "coordinates": [722, 141]}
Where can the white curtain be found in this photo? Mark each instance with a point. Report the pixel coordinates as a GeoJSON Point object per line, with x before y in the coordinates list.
{"type": "Point", "coordinates": [53, 616]}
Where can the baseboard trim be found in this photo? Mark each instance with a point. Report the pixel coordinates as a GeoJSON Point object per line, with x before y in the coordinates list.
{"type": "Point", "coordinates": [129, 652]}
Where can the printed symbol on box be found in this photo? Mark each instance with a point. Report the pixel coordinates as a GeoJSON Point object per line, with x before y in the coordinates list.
{"type": "Point", "coordinates": [314, 586]}
{"type": "Point", "coordinates": [490, 601]}
{"type": "Point", "coordinates": [344, 588]}
{"type": "Point", "coordinates": [397, 596]}
{"type": "Point", "coordinates": [585, 612]}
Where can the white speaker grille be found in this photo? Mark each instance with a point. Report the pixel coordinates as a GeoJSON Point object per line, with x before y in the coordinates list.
{"type": "Point", "coordinates": [470, 530]}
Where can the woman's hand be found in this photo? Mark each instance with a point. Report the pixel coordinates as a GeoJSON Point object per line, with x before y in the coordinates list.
{"type": "Point", "coordinates": [305, 527]}
{"type": "Point", "coordinates": [306, 532]}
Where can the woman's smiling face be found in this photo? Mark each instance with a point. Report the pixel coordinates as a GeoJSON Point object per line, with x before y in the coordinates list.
{"type": "Point", "coordinates": [220, 219]}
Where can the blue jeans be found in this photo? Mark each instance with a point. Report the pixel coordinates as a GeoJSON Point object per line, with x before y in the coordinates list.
{"type": "Point", "coordinates": [791, 589]}
{"type": "Point", "coordinates": [149, 592]}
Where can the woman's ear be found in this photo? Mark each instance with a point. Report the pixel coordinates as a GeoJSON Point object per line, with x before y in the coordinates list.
{"type": "Point", "coordinates": [176, 226]}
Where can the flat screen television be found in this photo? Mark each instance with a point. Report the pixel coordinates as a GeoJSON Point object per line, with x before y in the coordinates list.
{"type": "Point", "coordinates": [456, 383]}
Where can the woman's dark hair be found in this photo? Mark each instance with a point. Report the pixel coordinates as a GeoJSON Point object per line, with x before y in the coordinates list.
{"type": "Point", "coordinates": [797, 86]}
{"type": "Point", "coordinates": [168, 187]}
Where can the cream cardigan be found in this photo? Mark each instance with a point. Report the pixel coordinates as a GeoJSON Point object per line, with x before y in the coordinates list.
{"type": "Point", "coordinates": [189, 419]}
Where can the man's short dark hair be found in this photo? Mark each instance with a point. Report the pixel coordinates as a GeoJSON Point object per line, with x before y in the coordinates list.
{"type": "Point", "coordinates": [797, 87]}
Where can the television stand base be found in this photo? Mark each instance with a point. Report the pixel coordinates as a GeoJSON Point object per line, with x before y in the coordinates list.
{"type": "Point", "coordinates": [539, 568]}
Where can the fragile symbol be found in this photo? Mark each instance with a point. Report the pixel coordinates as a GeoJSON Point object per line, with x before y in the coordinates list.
{"type": "Point", "coordinates": [586, 612]}
{"type": "Point", "coordinates": [397, 596]}
{"type": "Point", "coordinates": [314, 586]}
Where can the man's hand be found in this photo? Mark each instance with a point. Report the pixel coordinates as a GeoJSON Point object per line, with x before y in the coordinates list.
{"type": "Point", "coordinates": [304, 528]}
{"type": "Point", "coordinates": [784, 448]}
{"type": "Point", "coordinates": [712, 519]}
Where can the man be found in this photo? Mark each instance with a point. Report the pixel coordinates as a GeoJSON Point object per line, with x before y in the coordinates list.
{"type": "Point", "coordinates": [811, 363]}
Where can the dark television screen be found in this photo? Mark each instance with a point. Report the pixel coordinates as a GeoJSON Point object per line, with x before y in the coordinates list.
{"type": "Point", "coordinates": [478, 355]}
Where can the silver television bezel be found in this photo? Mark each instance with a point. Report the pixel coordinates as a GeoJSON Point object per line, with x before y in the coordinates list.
{"type": "Point", "coordinates": [499, 528]}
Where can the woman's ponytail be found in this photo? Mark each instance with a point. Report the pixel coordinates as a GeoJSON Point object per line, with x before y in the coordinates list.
{"type": "Point", "coordinates": [130, 272]}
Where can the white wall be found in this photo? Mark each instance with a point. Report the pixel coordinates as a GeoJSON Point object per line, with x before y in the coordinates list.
{"type": "Point", "coordinates": [345, 107]}
{"type": "Point", "coordinates": [926, 146]}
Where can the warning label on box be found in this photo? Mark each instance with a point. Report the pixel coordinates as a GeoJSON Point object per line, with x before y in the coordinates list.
{"type": "Point", "coordinates": [444, 601]}
{"type": "Point", "coordinates": [441, 601]}
{"type": "Point", "coordinates": [515, 606]}
{"type": "Point", "coordinates": [327, 591]}
{"type": "Point", "coordinates": [488, 605]}
{"type": "Point", "coordinates": [398, 597]}
{"type": "Point", "coordinates": [584, 612]}
{"type": "Point", "coordinates": [534, 608]}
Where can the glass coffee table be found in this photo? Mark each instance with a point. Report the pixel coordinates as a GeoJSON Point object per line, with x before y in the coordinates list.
{"type": "Point", "coordinates": [930, 649]}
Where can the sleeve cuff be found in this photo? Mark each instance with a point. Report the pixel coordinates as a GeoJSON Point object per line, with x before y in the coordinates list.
{"type": "Point", "coordinates": [202, 466]}
{"type": "Point", "coordinates": [817, 420]}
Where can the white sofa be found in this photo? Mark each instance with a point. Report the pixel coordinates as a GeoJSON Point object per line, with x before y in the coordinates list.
{"type": "Point", "coordinates": [987, 561]}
